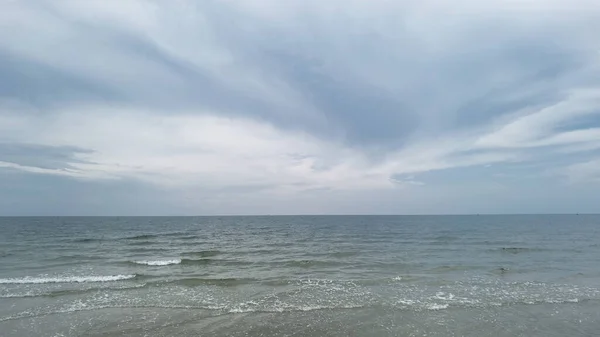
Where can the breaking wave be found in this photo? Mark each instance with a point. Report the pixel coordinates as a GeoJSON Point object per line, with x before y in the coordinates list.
{"type": "Point", "coordinates": [158, 262]}
{"type": "Point", "coordinates": [66, 279]}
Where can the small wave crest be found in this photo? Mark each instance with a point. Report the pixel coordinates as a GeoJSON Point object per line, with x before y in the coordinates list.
{"type": "Point", "coordinates": [87, 240]}
{"type": "Point", "coordinates": [220, 282]}
{"type": "Point", "coordinates": [203, 253]}
{"type": "Point", "coordinates": [156, 236]}
{"type": "Point", "coordinates": [312, 263]}
{"type": "Point", "coordinates": [141, 237]}
{"type": "Point", "coordinates": [178, 261]}
{"type": "Point", "coordinates": [67, 292]}
{"type": "Point", "coordinates": [518, 250]}
{"type": "Point", "coordinates": [198, 262]}
{"type": "Point", "coordinates": [158, 262]}
{"type": "Point", "coordinates": [66, 279]}
{"type": "Point", "coordinates": [245, 308]}
{"type": "Point", "coordinates": [452, 268]}
{"type": "Point", "coordinates": [436, 306]}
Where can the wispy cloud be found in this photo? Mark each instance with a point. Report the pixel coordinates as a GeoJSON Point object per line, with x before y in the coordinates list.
{"type": "Point", "coordinates": [584, 172]}
{"type": "Point", "coordinates": [306, 98]}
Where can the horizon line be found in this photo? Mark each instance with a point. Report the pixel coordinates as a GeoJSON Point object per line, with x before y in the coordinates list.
{"type": "Point", "coordinates": [282, 215]}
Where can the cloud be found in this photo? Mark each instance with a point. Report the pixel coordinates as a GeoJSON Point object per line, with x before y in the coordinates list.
{"type": "Point", "coordinates": [298, 101]}
{"type": "Point", "coordinates": [199, 149]}
{"type": "Point", "coordinates": [42, 156]}
{"type": "Point", "coordinates": [539, 127]}
{"type": "Point", "coordinates": [584, 172]}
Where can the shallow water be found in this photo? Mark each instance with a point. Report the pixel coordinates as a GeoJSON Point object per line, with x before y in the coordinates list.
{"type": "Point", "coordinates": [301, 276]}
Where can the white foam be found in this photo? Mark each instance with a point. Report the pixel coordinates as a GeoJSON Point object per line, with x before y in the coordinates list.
{"type": "Point", "coordinates": [10, 295]}
{"type": "Point", "coordinates": [159, 262]}
{"type": "Point", "coordinates": [288, 308]}
{"type": "Point", "coordinates": [66, 279]}
{"type": "Point", "coordinates": [436, 306]}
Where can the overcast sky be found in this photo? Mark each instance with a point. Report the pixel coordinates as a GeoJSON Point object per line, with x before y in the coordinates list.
{"type": "Point", "coordinates": [181, 107]}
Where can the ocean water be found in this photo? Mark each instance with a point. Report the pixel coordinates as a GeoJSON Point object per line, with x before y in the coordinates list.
{"type": "Point", "coordinates": [301, 276]}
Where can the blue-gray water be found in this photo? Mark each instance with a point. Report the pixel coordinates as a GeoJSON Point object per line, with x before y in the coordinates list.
{"type": "Point", "coordinates": [301, 276]}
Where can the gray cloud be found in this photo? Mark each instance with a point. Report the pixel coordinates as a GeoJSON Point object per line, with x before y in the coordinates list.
{"type": "Point", "coordinates": [322, 100]}
{"type": "Point", "coordinates": [41, 156]}
{"type": "Point", "coordinates": [42, 85]}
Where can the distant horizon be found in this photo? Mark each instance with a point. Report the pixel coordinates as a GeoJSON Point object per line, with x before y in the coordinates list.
{"type": "Point", "coordinates": [283, 215]}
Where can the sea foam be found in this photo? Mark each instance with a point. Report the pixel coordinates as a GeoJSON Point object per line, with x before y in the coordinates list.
{"type": "Point", "coordinates": [158, 262]}
{"type": "Point", "coordinates": [65, 279]}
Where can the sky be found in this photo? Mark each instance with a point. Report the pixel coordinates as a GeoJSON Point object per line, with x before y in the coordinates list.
{"type": "Point", "coordinates": [148, 107]}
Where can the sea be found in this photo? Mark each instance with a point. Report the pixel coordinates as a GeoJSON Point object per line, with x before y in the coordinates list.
{"type": "Point", "coordinates": [522, 275]}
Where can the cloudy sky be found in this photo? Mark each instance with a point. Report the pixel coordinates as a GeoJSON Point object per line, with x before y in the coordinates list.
{"type": "Point", "coordinates": [148, 107]}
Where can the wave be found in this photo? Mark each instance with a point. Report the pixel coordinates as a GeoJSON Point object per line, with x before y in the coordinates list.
{"type": "Point", "coordinates": [67, 292]}
{"type": "Point", "coordinates": [158, 235]}
{"type": "Point", "coordinates": [220, 282]}
{"type": "Point", "coordinates": [517, 250]}
{"type": "Point", "coordinates": [342, 254]}
{"type": "Point", "coordinates": [254, 307]}
{"type": "Point", "coordinates": [142, 243]}
{"type": "Point", "coordinates": [140, 237]}
{"type": "Point", "coordinates": [199, 261]}
{"type": "Point", "coordinates": [288, 308]}
{"type": "Point", "coordinates": [309, 295]}
{"type": "Point", "coordinates": [66, 279]}
{"type": "Point", "coordinates": [188, 237]}
{"type": "Point", "coordinates": [233, 262]}
{"type": "Point", "coordinates": [275, 282]}
{"type": "Point", "coordinates": [179, 261]}
{"type": "Point", "coordinates": [158, 262]}
{"type": "Point", "coordinates": [87, 240]}
{"type": "Point", "coordinates": [143, 249]}
{"type": "Point", "coordinates": [436, 306]}
{"type": "Point", "coordinates": [191, 282]}
{"type": "Point", "coordinates": [203, 253]}
{"type": "Point", "coordinates": [76, 258]}
{"type": "Point", "coordinates": [193, 262]}
{"type": "Point", "coordinates": [453, 268]}
{"type": "Point", "coordinates": [223, 309]}
{"type": "Point", "coordinates": [445, 238]}
{"type": "Point", "coordinates": [334, 255]}
{"type": "Point", "coordinates": [311, 263]}
{"type": "Point", "coordinates": [501, 271]}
